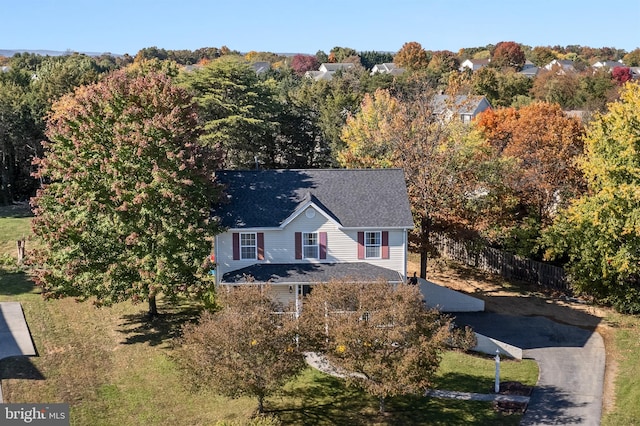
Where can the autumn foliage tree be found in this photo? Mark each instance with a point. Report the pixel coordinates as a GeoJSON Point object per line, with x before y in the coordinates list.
{"type": "Point", "coordinates": [599, 233]}
{"type": "Point", "coordinates": [412, 56]}
{"type": "Point", "coordinates": [556, 87]}
{"type": "Point", "coordinates": [508, 54]}
{"type": "Point", "coordinates": [444, 162]}
{"type": "Point", "coordinates": [546, 143]}
{"type": "Point", "coordinates": [124, 210]}
{"type": "Point", "coordinates": [303, 63]}
{"type": "Point", "coordinates": [621, 75]}
{"type": "Point", "coordinates": [243, 349]}
{"type": "Point", "coordinates": [382, 336]}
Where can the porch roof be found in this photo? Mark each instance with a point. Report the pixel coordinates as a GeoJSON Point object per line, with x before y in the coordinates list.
{"type": "Point", "coordinates": [310, 273]}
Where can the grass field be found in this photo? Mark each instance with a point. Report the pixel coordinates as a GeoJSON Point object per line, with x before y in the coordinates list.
{"type": "Point", "coordinates": [115, 368]}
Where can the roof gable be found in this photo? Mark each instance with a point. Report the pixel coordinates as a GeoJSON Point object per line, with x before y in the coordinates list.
{"type": "Point", "coordinates": [353, 198]}
{"type": "Point", "coordinates": [334, 66]}
{"type": "Point", "coordinates": [463, 104]}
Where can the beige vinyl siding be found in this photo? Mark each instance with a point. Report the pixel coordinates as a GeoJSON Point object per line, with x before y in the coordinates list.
{"type": "Point", "coordinates": [342, 245]}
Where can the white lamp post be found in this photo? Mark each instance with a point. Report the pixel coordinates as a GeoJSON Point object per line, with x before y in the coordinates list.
{"type": "Point", "coordinates": [497, 385]}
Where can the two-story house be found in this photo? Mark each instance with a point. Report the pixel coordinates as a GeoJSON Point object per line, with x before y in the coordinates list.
{"type": "Point", "coordinates": [297, 228]}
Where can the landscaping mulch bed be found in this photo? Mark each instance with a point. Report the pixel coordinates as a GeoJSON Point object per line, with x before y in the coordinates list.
{"type": "Point", "coordinates": [512, 388]}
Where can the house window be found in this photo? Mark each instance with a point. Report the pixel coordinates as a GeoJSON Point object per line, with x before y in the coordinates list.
{"type": "Point", "coordinates": [310, 248]}
{"type": "Point", "coordinates": [248, 246]}
{"type": "Point", "coordinates": [372, 244]}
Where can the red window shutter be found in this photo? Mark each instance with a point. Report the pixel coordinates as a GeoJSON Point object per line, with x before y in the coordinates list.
{"type": "Point", "coordinates": [298, 245]}
{"type": "Point", "coordinates": [323, 245]}
{"type": "Point", "coordinates": [236, 246]}
{"type": "Point", "coordinates": [385, 244]}
{"type": "Point", "coordinates": [360, 245]}
{"type": "Point", "coordinates": [260, 241]}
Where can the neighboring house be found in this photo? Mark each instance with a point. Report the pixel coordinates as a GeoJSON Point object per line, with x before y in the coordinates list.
{"type": "Point", "coordinates": [465, 107]}
{"type": "Point", "coordinates": [635, 73]}
{"type": "Point", "coordinates": [529, 69]}
{"type": "Point", "coordinates": [261, 67]}
{"type": "Point", "coordinates": [297, 228]}
{"type": "Point", "coordinates": [561, 66]}
{"type": "Point", "coordinates": [387, 68]}
{"type": "Point", "coordinates": [474, 64]}
{"type": "Point", "coordinates": [326, 70]}
{"type": "Point", "coordinates": [607, 64]}
{"type": "Point", "coordinates": [191, 68]}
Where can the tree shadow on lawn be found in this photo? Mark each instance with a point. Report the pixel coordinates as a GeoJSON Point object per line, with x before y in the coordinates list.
{"type": "Point", "coordinates": [463, 382]}
{"type": "Point", "coordinates": [139, 328]}
{"type": "Point", "coordinates": [328, 401]}
{"type": "Point", "coordinates": [19, 367]}
{"type": "Point", "coordinates": [16, 283]}
{"type": "Point", "coordinates": [16, 210]}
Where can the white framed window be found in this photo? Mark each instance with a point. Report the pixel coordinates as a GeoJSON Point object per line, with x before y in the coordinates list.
{"type": "Point", "coordinates": [248, 246]}
{"type": "Point", "coordinates": [373, 245]}
{"type": "Point", "coordinates": [310, 247]}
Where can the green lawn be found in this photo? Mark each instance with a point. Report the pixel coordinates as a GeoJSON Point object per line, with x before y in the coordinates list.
{"type": "Point", "coordinates": [114, 368]}
{"type": "Point", "coordinates": [627, 381]}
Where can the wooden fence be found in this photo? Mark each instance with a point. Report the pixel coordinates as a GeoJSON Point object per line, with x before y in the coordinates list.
{"type": "Point", "coordinates": [498, 262]}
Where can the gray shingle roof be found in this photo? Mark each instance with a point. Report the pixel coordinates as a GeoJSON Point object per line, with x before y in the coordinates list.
{"type": "Point", "coordinates": [463, 104]}
{"type": "Point", "coordinates": [375, 198]}
{"type": "Point", "coordinates": [312, 273]}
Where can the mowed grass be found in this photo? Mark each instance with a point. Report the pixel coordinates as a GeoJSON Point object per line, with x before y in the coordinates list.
{"type": "Point", "coordinates": [115, 368]}
{"type": "Point", "coordinates": [626, 354]}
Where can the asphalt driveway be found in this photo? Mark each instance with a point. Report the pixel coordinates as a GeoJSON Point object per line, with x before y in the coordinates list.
{"type": "Point", "coordinates": [571, 362]}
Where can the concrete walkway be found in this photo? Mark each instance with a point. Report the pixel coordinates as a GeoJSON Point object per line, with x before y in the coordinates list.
{"type": "Point", "coordinates": [319, 362]}
{"type": "Point", "coordinates": [571, 362]}
{"type": "Point", "coordinates": [15, 338]}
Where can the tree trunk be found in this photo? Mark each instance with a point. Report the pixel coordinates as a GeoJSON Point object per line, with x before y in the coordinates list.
{"type": "Point", "coordinates": [153, 308]}
{"type": "Point", "coordinates": [6, 174]}
{"type": "Point", "coordinates": [425, 229]}
{"type": "Point", "coordinates": [260, 404]}
{"type": "Point", "coordinates": [382, 405]}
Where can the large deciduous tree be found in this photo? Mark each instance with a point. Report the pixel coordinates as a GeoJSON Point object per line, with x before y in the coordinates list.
{"type": "Point", "coordinates": [546, 143]}
{"type": "Point", "coordinates": [599, 233]}
{"type": "Point", "coordinates": [245, 348]}
{"type": "Point", "coordinates": [556, 87]}
{"type": "Point", "coordinates": [382, 336]}
{"type": "Point", "coordinates": [124, 212]}
{"type": "Point", "coordinates": [412, 56]}
{"type": "Point", "coordinates": [632, 59]}
{"type": "Point", "coordinates": [303, 63]}
{"type": "Point", "coordinates": [541, 55]}
{"type": "Point", "coordinates": [508, 54]}
{"type": "Point", "coordinates": [445, 162]}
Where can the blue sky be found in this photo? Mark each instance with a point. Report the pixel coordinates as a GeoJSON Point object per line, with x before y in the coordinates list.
{"type": "Point", "coordinates": [305, 26]}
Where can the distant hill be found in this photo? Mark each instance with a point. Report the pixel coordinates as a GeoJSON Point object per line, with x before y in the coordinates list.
{"type": "Point", "coordinates": [10, 52]}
